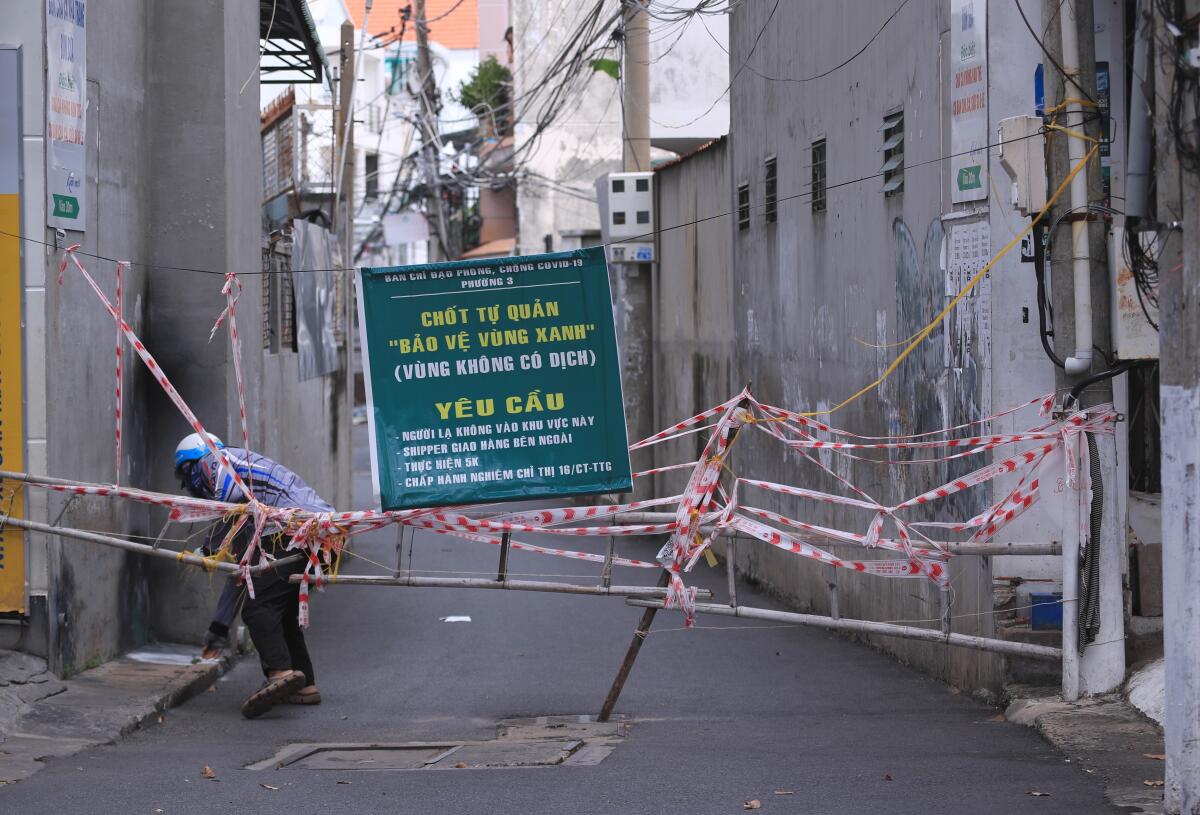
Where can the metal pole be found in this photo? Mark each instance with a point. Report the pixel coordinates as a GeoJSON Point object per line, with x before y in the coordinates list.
{"type": "Point", "coordinates": [141, 548]}
{"type": "Point", "coordinates": [162, 532]}
{"type": "Point", "coordinates": [1043, 652]}
{"type": "Point", "coordinates": [430, 104]}
{"type": "Point", "coordinates": [606, 572]}
{"type": "Point", "coordinates": [639, 636]}
{"type": "Point", "coordinates": [1070, 602]}
{"type": "Point", "coordinates": [730, 572]}
{"type": "Point", "coordinates": [343, 202]}
{"type": "Point", "coordinates": [505, 542]}
{"type": "Point", "coordinates": [484, 583]}
{"type": "Point", "coordinates": [834, 609]}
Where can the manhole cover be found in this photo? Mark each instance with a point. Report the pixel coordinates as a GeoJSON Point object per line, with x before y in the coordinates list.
{"type": "Point", "coordinates": [423, 756]}
{"type": "Point", "coordinates": [370, 758]}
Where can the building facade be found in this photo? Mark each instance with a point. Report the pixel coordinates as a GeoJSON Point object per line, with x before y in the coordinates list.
{"type": "Point", "coordinates": [173, 184]}
{"type": "Point", "coordinates": [852, 200]}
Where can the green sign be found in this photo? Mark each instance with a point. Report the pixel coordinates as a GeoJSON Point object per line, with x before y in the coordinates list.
{"type": "Point", "coordinates": [968, 178]}
{"type": "Point", "coordinates": [493, 380]}
{"type": "Point", "coordinates": [66, 206]}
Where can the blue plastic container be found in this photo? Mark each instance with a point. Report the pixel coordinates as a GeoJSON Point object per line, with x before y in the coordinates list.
{"type": "Point", "coordinates": [1046, 614]}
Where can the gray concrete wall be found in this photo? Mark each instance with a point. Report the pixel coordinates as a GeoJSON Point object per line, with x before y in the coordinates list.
{"type": "Point", "coordinates": [174, 179]}
{"type": "Point", "coordinates": [210, 150]}
{"type": "Point", "coordinates": [98, 599]}
{"type": "Point", "coordinates": [693, 309]}
{"type": "Point", "coordinates": [803, 289]}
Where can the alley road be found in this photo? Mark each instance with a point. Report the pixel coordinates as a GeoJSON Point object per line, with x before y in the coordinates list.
{"type": "Point", "coordinates": [720, 716]}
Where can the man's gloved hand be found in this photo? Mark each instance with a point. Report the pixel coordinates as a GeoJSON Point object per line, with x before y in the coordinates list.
{"type": "Point", "coordinates": [215, 645]}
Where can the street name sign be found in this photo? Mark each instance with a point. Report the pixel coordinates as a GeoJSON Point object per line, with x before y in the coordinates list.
{"type": "Point", "coordinates": [492, 380]}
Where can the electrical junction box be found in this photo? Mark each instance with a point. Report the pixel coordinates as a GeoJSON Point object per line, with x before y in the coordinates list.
{"type": "Point", "coordinates": [1023, 154]}
{"type": "Point", "coordinates": [1132, 335]}
{"type": "Point", "coordinates": [627, 221]}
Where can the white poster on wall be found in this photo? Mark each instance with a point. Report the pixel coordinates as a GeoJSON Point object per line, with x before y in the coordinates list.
{"type": "Point", "coordinates": [968, 100]}
{"type": "Point", "coordinates": [66, 113]}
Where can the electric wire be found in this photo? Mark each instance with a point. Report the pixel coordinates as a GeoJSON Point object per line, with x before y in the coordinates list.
{"type": "Point", "coordinates": [694, 222]}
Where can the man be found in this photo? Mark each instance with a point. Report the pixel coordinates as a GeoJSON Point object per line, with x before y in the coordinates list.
{"type": "Point", "coordinates": [271, 615]}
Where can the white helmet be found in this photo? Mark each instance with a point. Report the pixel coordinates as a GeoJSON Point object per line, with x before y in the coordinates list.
{"type": "Point", "coordinates": [193, 448]}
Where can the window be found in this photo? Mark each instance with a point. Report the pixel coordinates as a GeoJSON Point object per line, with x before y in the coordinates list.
{"type": "Point", "coordinates": [818, 175]}
{"type": "Point", "coordinates": [743, 206]}
{"type": "Point", "coordinates": [770, 207]}
{"type": "Point", "coordinates": [618, 185]}
{"type": "Point", "coordinates": [398, 68]}
{"type": "Point", "coordinates": [618, 217]}
{"type": "Point", "coordinates": [893, 153]}
{"type": "Point", "coordinates": [642, 185]}
{"type": "Point", "coordinates": [371, 177]}
{"type": "Point", "coordinates": [643, 216]}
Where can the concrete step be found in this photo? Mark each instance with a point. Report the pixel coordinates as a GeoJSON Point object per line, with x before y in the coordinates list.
{"type": "Point", "coordinates": [43, 717]}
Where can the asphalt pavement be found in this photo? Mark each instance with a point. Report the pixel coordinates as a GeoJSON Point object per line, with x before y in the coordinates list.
{"type": "Point", "coordinates": [799, 720]}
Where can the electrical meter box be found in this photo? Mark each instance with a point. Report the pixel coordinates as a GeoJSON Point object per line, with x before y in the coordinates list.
{"type": "Point", "coordinates": [626, 202]}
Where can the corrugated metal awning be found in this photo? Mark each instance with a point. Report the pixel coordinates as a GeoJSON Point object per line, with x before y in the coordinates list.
{"type": "Point", "coordinates": [291, 49]}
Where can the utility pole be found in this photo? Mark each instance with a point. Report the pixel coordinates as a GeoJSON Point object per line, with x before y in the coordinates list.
{"type": "Point", "coordinates": [635, 135]}
{"type": "Point", "coordinates": [430, 104]}
{"type": "Point", "coordinates": [1179, 403]}
{"type": "Point", "coordinates": [1080, 292]}
{"type": "Point", "coordinates": [343, 204]}
{"type": "Point", "coordinates": [633, 284]}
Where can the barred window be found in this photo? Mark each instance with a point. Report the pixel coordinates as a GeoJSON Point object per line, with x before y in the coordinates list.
{"type": "Point", "coordinates": [770, 207]}
{"type": "Point", "coordinates": [818, 175]}
{"type": "Point", "coordinates": [893, 153]}
{"type": "Point", "coordinates": [743, 206]}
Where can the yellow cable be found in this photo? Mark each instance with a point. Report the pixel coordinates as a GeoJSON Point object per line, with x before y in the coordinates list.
{"type": "Point", "coordinates": [925, 332]}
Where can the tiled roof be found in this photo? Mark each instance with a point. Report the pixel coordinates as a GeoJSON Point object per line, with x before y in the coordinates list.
{"type": "Point", "coordinates": [458, 29]}
{"type": "Point", "coordinates": [501, 247]}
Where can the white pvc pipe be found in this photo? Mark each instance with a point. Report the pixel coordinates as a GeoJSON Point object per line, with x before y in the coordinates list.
{"type": "Point", "coordinates": [1080, 362]}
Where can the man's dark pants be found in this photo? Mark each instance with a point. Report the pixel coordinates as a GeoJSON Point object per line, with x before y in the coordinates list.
{"type": "Point", "coordinates": [271, 617]}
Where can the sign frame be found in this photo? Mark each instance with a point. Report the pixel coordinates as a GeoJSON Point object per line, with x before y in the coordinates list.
{"type": "Point", "coordinates": [66, 117]}
{"type": "Point", "coordinates": [968, 97]}
{"type": "Point", "coordinates": [576, 454]}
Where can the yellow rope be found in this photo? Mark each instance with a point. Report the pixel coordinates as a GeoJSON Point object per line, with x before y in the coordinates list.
{"type": "Point", "coordinates": [921, 335]}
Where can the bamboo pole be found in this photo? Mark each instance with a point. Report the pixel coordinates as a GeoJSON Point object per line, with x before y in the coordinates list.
{"type": "Point", "coordinates": [142, 548]}
{"type": "Point", "coordinates": [1021, 649]}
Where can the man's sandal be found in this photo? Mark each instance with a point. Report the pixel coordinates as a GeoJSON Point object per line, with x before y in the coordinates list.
{"type": "Point", "coordinates": [272, 693]}
{"type": "Point", "coordinates": [312, 697]}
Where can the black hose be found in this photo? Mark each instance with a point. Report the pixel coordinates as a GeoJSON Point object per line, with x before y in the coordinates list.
{"type": "Point", "coordinates": [1089, 555]}
{"type": "Point", "coordinates": [1043, 306]}
{"type": "Point", "coordinates": [1084, 384]}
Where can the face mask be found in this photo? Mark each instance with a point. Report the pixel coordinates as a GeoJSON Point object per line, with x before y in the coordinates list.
{"type": "Point", "coordinates": [195, 480]}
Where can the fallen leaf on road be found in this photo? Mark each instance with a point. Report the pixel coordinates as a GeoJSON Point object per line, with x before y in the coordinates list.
{"type": "Point", "coordinates": [161, 718]}
{"type": "Point", "coordinates": [460, 766]}
{"type": "Point", "coordinates": [1158, 783]}
{"type": "Point", "coordinates": [785, 792]}
{"type": "Point", "coordinates": [887, 776]}
{"type": "Point", "coordinates": [211, 689]}
{"type": "Point", "coordinates": [1155, 756]}
{"type": "Point", "coordinates": [1037, 794]}
{"type": "Point", "coordinates": [752, 804]}
{"type": "Point", "coordinates": [208, 772]}
{"type": "Point", "coordinates": [268, 787]}
{"type": "Point", "coordinates": [999, 717]}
